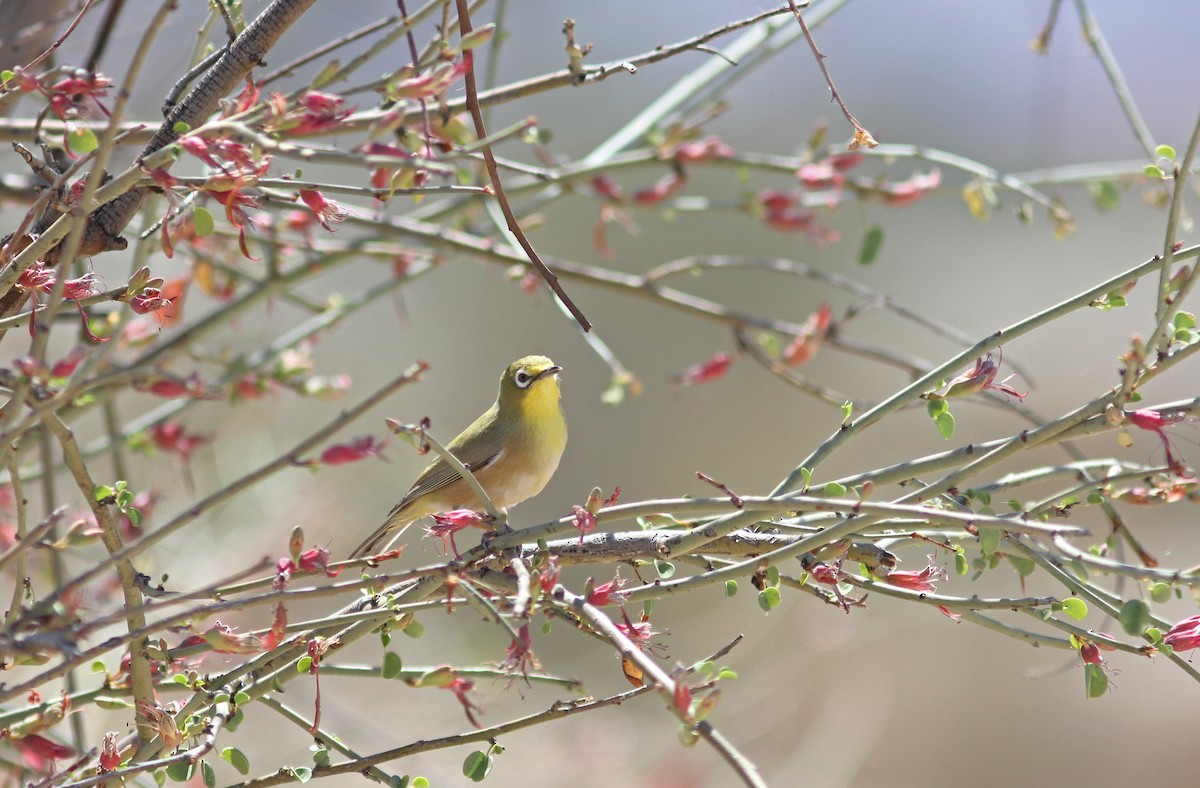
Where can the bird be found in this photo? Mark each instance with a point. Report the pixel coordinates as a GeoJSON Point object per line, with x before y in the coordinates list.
{"type": "Point", "coordinates": [512, 450]}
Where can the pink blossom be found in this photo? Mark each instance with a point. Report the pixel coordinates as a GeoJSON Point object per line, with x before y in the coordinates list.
{"type": "Point", "coordinates": [327, 211]}
{"type": "Point", "coordinates": [981, 378]}
{"type": "Point", "coordinates": [1185, 635]}
{"type": "Point", "coordinates": [447, 524]}
{"type": "Point", "coordinates": [713, 369]}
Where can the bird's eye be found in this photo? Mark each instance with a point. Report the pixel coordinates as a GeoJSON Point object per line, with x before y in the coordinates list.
{"type": "Point", "coordinates": [523, 378]}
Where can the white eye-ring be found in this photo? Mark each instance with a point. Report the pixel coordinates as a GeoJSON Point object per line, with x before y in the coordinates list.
{"type": "Point", "coordinates": [523, 378]}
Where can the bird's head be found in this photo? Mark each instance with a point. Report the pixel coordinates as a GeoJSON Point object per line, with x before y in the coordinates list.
{"type": "Point", "coordinates": [530, 384]}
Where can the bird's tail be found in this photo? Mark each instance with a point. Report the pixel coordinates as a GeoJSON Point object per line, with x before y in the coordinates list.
{"type": "Point", "coordinates": [384, 535]}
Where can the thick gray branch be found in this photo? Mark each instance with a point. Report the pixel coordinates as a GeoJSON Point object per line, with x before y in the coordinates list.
{"type": "Point", "coordinates": [223, 78]}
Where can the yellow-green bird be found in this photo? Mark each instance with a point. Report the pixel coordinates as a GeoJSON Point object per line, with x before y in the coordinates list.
{"type": "Point", "coordinates": [512, 450]}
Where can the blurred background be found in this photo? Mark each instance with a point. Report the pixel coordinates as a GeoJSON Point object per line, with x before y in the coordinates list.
{"type": "Point", "coordinates": [892, 694]}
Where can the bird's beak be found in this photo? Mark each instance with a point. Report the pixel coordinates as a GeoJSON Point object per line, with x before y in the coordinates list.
{"type": "Point", "coordinates": [548, 371]}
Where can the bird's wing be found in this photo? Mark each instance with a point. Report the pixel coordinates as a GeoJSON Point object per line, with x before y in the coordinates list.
{"type": "Point", "coordinates": [433, 478]}
{"type": "Point", "coordinates": [440, 474]}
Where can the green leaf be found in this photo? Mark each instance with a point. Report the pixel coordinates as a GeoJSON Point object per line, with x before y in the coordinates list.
{"type": "Point", "coordinates": [113, 704]}
{"type": "Point", "coordinates": [1106, 194]}
{"type": "Point", "coordinates": [6, 75]}
{"type": "Point", "coordinates": [181, 771]}
{"type": "Point", "coordinates": [160, 777]}
{"type": "Point", "coordinates": [81, 141]}
{"type": "Point", "coordinates": [99, 667]}
{"type": "Point", "coordinates": [1075, 607]}
{"type": "Point", "coordinates": [477, 37]}
{"type": "Point", "coordinates": [872, 242]}
{"type": "Point", "coordinates": [302, 773]}
{"type": "Point", "coordinates": [1095, 681]}
{"type": "Point", "coordinates": [614, 394]}
{"type": "Point", "coordinates": [415, 629]}
{"type": "Point", "coordinates": [1185, 320]}
{"type": "Point", "coordinates": [208, 775]}
{"type": "Point", "coordinates": [1160, 592]}
{"type": "Point", "coordinates": [102, 493]}
{"type": "Point", "coordinates": [237, 759]}
{"type": "Point", "coordinates": [768, 598]}
{"type": "Point", "coordinates": [945, 424]}
{"type": "Point", "coordinates": [1153, 171]}
{"type": "Point", "coordinates": [241, 697]}
{"type": "Point", "coordinates": [1134, 616]}
{"type": "Point", "coordinates": [303, 664]}
{"type": "Point", "coordinates": [727, 674]}
{"type": "Point", "coordinates": [961, 565]}
{"type": "Point", "coordinates": [989, 539]}
{"type": "Point", "coordinates": [1095, 499]}
{"type": "Point", "coordinates": [477, 766]}
{"type": "Point", "coordinates": [847, 409]}
{"type": "Point", "coordinates": [834, 490]}
{"type": "Point", "coordinates": [202, 220]}
{"type": "Point", "coordinates": [398, 781]}
{"type": "Point", "coordinates": [420, 782]}
{"type": "Point", "coordinates": [806, 474]}
{"type": "Point", "coordinates": [391, 665]}
{"type": "Point", "coordinates": [730, 588]}
{"type": "Point", "coordinates": [665, 569]}
{"type": "Point", "coordinates": [181, 128]}
{"type": "Point", "coordinates": [1166, 151]}
{"type": "Point", "coordinates": [1024, 566]}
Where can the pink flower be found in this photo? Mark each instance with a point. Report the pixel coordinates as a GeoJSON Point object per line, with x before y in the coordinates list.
{"type": "Point", "coordinates": [40, 753]}
{"type": "Point", "coordinates": [462, 689]}
{"type": "Point", "coordinates": [1185, 635]}
{"type": "Point", "coordinates": [518, 657]}
{"type": "Point", "coordinates": [666, 187]}
{"type": "Point", "coordinates": [447, 524]}
{"type": "Point", "coordinates": [825, 574]}
{"type": "Point", "coordinates": [585, 522]}
{"type": "Point", "coordinates": [640, 632]}
{"type": "Point", "coordinates": [327, 211]}
{"type": "Point", "coordinates": [315, 561]}
{"type": "Point", "coordinates": [981, 378]}
{"type": "Point", "coordinates": [955, 617]}
{"type": "Point", "coordinates": [780, 211]}
{"type": "Point", "coordinates": [805, 346]}
{"type": "Point", "coordinates": [820, 175]}
{"type": "Point", "coordinates": [922, 581]}
{"type": "Point", "coordinates": [707, 149]}
{"type": "Point", "coordinates": [171, 437]}
{"type": "Point", "coordinates": [1089, 652]}
{"type": "Point", "coordinates": [607, 593]}
{"type": "Point", "coordinates": [548, 574]}
{"type": "Point", "coordinates": [358, 449]}
{"type": "Point", "coordinates": [176, 388]}
{"type": "Point", "coordinates": [713, 369]}
{"type": "Point", "coordinates": [224, 640]}
{"type": "Point", "coordinates": [607, 188]}
{"type": "Point", "coordinates": [110, 756]}
{"type": "Point", "coordinates": [912, 190]}
{"type": "Point", "coordinates": [1153, 421]}
{"type": "Point", "coordinates": [430, 83]}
